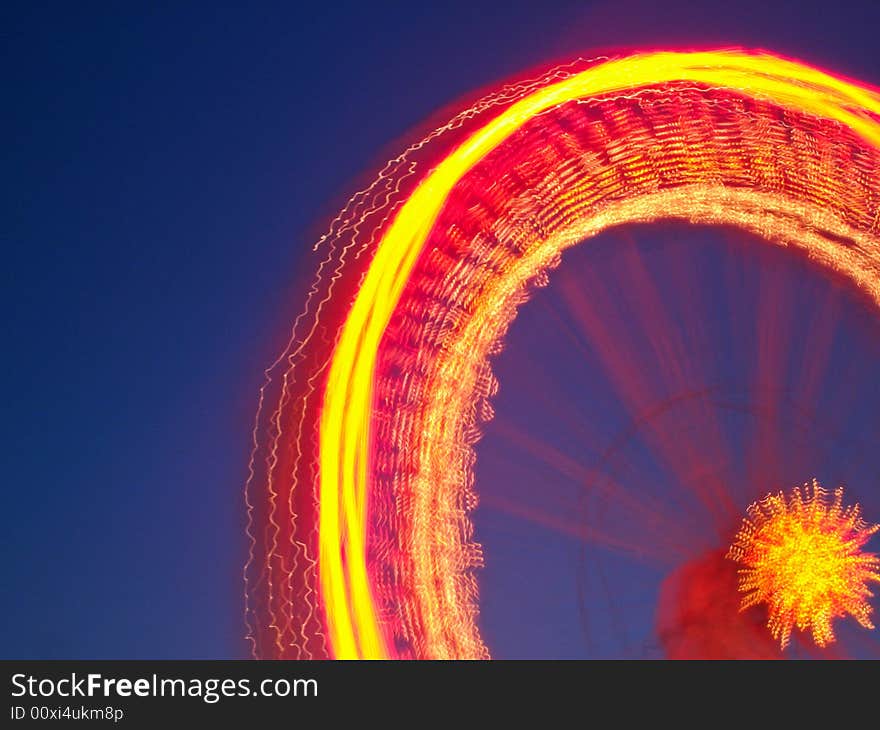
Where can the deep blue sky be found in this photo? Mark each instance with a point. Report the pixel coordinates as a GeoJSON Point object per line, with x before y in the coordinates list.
{"type": "Point", "coordinates": [166, 167]}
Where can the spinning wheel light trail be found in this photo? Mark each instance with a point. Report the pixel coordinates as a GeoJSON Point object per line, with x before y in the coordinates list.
{"type": "Point", "coordinates": [803, 556]}
{"type": "Point", "coordinates": [361, 475]}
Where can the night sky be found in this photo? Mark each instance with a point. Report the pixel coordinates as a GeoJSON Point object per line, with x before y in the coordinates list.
{"type": "Point", "coordinates": [167, 170]}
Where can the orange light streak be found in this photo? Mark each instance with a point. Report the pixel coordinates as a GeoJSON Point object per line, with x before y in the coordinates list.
{"type": "Point", "coordinates": [768, 144]}
{"type": "Point", "coordinates": [803, 557]}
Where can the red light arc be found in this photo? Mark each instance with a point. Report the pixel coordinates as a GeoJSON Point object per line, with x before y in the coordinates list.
{"type": "Point", "coordinates": [361, 477]}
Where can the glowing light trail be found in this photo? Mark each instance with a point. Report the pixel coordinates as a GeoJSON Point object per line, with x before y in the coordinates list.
{"type": "Point", "coordinates": [804, 558]}
{"type": "Point", "coordinates": [387, 403]}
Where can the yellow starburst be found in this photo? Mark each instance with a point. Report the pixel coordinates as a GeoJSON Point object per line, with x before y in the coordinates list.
{"type": "Point", "coordinates": [803, 558]}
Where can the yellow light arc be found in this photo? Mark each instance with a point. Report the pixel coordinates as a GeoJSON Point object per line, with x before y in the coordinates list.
{"type": "Point", "coordinates": [354, 629]}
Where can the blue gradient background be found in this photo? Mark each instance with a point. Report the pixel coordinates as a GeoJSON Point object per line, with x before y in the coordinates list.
{"type": "Point", "coordinates": [166, 168]}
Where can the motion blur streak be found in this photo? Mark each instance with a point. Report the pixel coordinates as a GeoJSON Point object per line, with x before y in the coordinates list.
{"type": "Point", "coordinates": [804, 558]}
{"type": "Point", "coordinates": [370, 444]}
